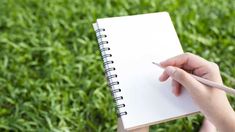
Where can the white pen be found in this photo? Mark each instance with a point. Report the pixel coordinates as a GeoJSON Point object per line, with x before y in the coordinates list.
{"type": "Point", "coordinates": [208, 82]}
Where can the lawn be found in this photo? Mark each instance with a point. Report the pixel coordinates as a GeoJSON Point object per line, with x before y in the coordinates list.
{"type": "Point", "coordinates": [51, 73]}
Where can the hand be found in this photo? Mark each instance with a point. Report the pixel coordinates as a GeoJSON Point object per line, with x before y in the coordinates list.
{"type": "Point", "coordinates": [212, 102]}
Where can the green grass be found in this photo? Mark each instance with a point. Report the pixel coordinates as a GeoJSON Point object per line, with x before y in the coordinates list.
{"type": "Point", "coordinates": [51, 73]}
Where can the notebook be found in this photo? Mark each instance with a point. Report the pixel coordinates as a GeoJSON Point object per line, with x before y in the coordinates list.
{"type": "Point", "coordinates": [128, 46]}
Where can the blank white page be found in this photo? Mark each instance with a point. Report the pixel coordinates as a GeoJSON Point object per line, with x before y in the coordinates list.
{"type": "Point", "coordinates": [135, 42]}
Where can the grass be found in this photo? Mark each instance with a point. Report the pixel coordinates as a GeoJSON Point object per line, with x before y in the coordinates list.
{"type": "Point", "coordinates": [51, 74]}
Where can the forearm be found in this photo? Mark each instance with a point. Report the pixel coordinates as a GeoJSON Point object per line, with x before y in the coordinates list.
{"type": "Point", "coordinates": [223, 118]}
{"type": "Point", "coordinates": [226, 123]}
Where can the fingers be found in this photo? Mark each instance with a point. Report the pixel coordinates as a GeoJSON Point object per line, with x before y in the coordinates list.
{"type": "Point", "coordinates": [176, 88]}
{"type": "Point", "coordinates": [187, 61]}
{"type": "Point", "coordinates": [164, 76]}
{"type": "Point", "coordinates": [185, 79]}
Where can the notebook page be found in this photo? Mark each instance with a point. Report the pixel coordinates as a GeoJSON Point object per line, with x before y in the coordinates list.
{"type": "Point", "coordinates": [135, 42]}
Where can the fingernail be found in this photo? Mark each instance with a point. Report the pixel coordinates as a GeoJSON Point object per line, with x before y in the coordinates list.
{"type": "Point", "coordinates": [170, 70]}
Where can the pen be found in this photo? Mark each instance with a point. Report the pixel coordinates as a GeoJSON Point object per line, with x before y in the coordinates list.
{"type": "Point", "coordinates": [208, 82]}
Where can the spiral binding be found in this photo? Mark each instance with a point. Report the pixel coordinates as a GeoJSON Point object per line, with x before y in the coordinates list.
{"type": "Point", "coordinates": [108, 68]}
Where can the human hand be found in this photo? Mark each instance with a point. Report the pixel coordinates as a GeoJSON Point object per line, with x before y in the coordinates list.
{"type": "Point", "coordinates": [212, 102]}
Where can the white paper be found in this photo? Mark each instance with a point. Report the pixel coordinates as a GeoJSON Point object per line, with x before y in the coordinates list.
{"type": "Point", "coordinates": [136, 42]}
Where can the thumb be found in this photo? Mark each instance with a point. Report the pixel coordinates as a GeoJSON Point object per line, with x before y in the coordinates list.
{"type": "Point", "coordinates": [185, 79]}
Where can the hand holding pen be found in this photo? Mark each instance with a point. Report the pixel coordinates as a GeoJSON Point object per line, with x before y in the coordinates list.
{"type": "Point", "coordinates": [212, 101]}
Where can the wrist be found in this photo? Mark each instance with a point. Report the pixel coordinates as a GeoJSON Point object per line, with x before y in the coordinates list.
{"type": "Point", "coordinates": [226, 121]}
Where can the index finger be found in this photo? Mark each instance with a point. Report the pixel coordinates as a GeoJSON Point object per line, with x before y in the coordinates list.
{"type": "Point", "coordinates": [186, 61]}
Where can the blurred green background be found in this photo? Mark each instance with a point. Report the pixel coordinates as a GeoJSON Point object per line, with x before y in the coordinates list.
{"type": "Point", "coordinates": [51, 73]}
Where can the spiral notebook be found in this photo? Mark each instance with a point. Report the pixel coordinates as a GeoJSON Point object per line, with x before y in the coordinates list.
{"type": "Point", "coordinates": [128, 46]}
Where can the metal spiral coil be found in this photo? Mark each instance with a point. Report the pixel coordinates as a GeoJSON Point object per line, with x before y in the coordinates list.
{"type": "Point", "coordinates": [108, 68]}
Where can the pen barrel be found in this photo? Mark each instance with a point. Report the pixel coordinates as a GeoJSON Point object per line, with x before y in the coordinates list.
{"type": "Point", "coordinates": [208, 82]}
{"type": "Point", "coordinates": [214, 85]}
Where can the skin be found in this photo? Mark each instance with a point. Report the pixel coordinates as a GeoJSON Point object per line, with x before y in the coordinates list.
{"type": "Point", "coordinates": [212, 102]}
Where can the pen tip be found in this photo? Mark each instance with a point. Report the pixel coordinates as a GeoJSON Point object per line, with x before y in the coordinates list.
{"type": "Point", "coordinates": [157, 64]}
